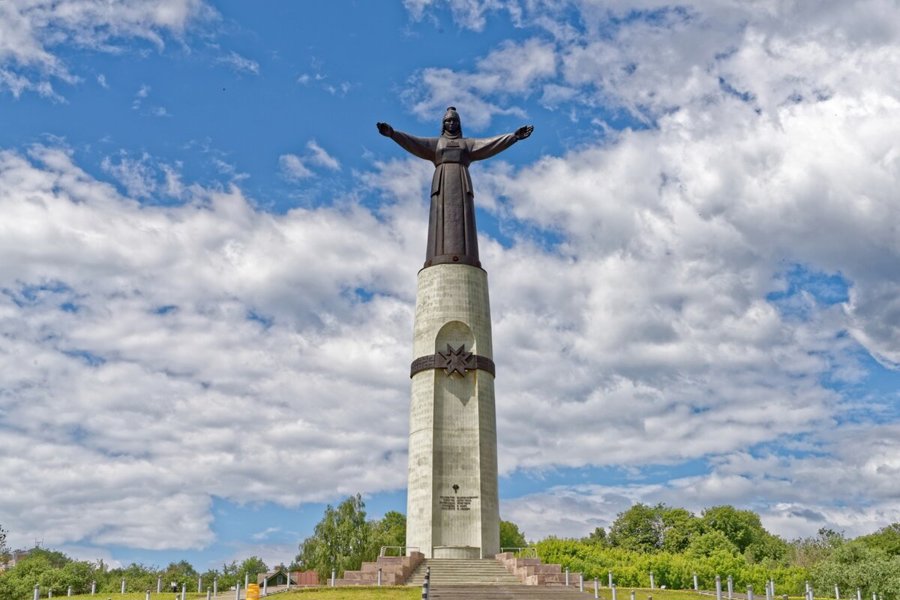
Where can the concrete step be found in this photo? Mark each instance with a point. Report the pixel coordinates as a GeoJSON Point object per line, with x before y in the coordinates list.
{"type": "Point", "coordinates": [460, 571]}
{"type": "Point", "coordinates": [506, 592]}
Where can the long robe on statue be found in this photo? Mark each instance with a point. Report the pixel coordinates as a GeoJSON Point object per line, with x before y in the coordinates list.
{"type": "Point", "coordinates": [452, 237]}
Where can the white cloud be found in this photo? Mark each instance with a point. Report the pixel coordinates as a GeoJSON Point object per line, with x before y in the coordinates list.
{"type": "Point", "coordinates": [859, 472]}
{"type": "Point", "coordinates": [128, 324]}
{"type": "Point", "coordinates": [466, 13]}
{"type": "Point", "coordinates": [321, 157]}
{"type": "Point", "coordinates": [137, 176]}
{"type": "Point", "coordinates": [511, 69]}
{"type": "Point", "coordinates": [31, 30]}
{"type": "Point", "coordinates": [293, 168]}
{"type": "Point", "coordinates": [240, 63]}
{"type": "Point", "coordinates": [646, 336]}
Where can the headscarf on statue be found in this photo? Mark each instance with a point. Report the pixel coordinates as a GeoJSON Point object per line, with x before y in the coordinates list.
{"type": "Point", "coordinates": [451, 114]}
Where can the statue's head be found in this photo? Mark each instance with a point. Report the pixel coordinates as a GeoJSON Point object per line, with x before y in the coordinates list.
{"type": "Point", "coordinates": [451, 125]}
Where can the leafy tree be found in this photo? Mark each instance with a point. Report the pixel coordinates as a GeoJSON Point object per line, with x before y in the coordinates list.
{"type": "Point", "coordinates": [510, 536]}
{"type": "Point", "coordinates": [742, 527]}
{"type": "Point", "coordinates": [807, 552]}
{"type": "Point", "coordinates": [679, 527]}
{"type": "Point", "coordinates": [137, 577]}
{"type": "Point", "coordinates": [767, 547]}
{"type": "Point", "coordinates": [340, 540]}
{"type": "Point", "coordinates": [709, 543]}
{"type": "Point", "coordinates": [251, 567]}
{"type": "Point", "coordinates": [857, 565]}
{"type": "Point", "coordinates": [597, 537]}
{"type": "Point", "coordinates": [4, 550]}
{"type": "Point", "coordinates": [390, 530]}
{"type": "Point", "coordinates": [639, 529]}
{"type": "Point", "coordinates": [886, 539]}
{"type": "Point", "coordinates": [181, 573]}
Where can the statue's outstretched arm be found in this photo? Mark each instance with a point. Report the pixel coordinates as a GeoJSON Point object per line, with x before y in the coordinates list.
{"type": "Point", "coordinates": [422, 147]}
{"type": "Point", "coordinates": [488, 147]}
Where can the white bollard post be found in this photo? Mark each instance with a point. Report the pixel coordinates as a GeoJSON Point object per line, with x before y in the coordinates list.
{"type": "Point", "coordinates": [332, 577]}
{"type": "Point", "coordinates": [379, 576]}
{"type": "Point", "coordinates": [123, 585]}
{"type": "Point", "coordinates": [265, 590]}
{"type": "Point", "coordinates": [50, 593]}
{"type": "Point", "coordinates": [718, 588]}
{"type": "Point", "coordinates": [610, 579]}
{"type": "Point", "coordinates": [858, 594]}
{"type": "Point", "coordinates": [289, 580]}
{"type": "Point", "coordinates": [772, 585]}
{"type": "Point", "coordinates": [581, 582]}
{"type": "Point", "coordinates": [208, 594]}
{"type": "Point", "coordinates": [730, 587]}
{"type": "Point", "coordinates": [159, 584]}
{"type": "Point", "coordinates": [768, 591]}
{"type": "Point", "coordinates": [215, 587]}
{"type": "Point", "coordinates": [696, 585]}
{"type": "Point", "coordinates": [237, 591]}
{"type": "Point", "coordinates": [632, 594]}
{"type": "Point", "coordinates": [246, 580]}
{"type": "Point", "coordinates": [749, 592]}
{"type": "Point", "coordinates": [183, 590]}
{"type": "Point", "coordinates": [199, 584]}
{"type": "Point", "coordinates": [652, 583]}
{"type": "Point", "coordinates": [567, 576]}
{"type": "Point", "coordinates": [596, 588]}
{"type": "Point", "coordinates": [613, 588]}
{"type": "Point", "coordinates": [69, 591]}
{"type": "Point", "coordinates": [93, 588]}
{"type": "Point", "coordinates": [37, 593]}
{"type": "Point", "coordinates": [147, 595]}
{"type": "Point", "coordinates": [837, 592]}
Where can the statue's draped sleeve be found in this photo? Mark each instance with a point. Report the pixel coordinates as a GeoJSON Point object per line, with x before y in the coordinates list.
{"type": "Point", "coordinates": [479, 149]}
{"type": "Point", "coordinates": [422, 147]}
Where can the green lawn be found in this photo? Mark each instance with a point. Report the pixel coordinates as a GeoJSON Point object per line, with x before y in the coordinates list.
{"type": "Point", "coordinates": [392, 593]}
{"type": "Point", "coordinates": [322, 593]}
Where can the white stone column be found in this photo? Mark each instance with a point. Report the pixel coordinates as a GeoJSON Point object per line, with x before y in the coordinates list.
{"type": "Point", "coordinates": [452, 505]}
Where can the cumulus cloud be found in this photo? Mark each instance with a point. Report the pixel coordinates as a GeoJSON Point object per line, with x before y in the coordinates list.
{"type": "Point", "coordinates": [511, 69]}
{"type": "Point", "coordinates": [294, 167]}
{"type": "Point", "coordinates": [145, 344]}
{"type": "Point", "coordinates": [646, 309]}
{"type": "Point", "coordinates": [857, 464]}
{"type": "Point", "coordinates": [30, 32]}
{"type": "Point", "coordinates": [650, 333]}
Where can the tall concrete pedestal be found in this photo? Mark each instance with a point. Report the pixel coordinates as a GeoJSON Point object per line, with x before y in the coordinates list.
{"type": "Point", "coordinates": [452, 507]}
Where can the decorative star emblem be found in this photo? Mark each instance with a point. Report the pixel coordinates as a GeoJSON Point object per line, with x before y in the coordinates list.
{"type": "Point", "coordinates": [455, 361]}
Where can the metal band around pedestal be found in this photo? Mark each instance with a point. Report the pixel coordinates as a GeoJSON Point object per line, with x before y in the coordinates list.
{"type": "Point", "coordinates": [453, 361]}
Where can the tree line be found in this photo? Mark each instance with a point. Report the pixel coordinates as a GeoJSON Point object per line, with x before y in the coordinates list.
{"type": "Point", "coordinates": [55, 572]}
{"type": "Point", "coordinates": [672, 543]}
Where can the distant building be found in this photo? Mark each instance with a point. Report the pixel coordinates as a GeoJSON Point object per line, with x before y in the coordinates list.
{"type": "Point", "coordinates": [279, 578]}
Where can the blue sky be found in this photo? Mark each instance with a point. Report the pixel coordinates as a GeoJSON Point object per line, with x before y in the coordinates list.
{"type": "Point", "coordinates": [209, 260]}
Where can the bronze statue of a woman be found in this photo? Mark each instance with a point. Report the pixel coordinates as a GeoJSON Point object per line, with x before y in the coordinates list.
{"type": "Point", "coordinates": [452, 236]}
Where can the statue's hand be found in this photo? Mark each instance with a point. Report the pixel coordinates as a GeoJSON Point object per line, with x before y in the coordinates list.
{"type": "Point", "coordinates": [385, 129]}
{"type": "Point", "coordinates": [524, 132]}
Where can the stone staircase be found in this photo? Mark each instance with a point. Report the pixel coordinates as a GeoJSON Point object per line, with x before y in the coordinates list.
{"type": "Point", "coordinates": [456, 571]}
{"type": "Point", "coordinates": [506, 592]}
